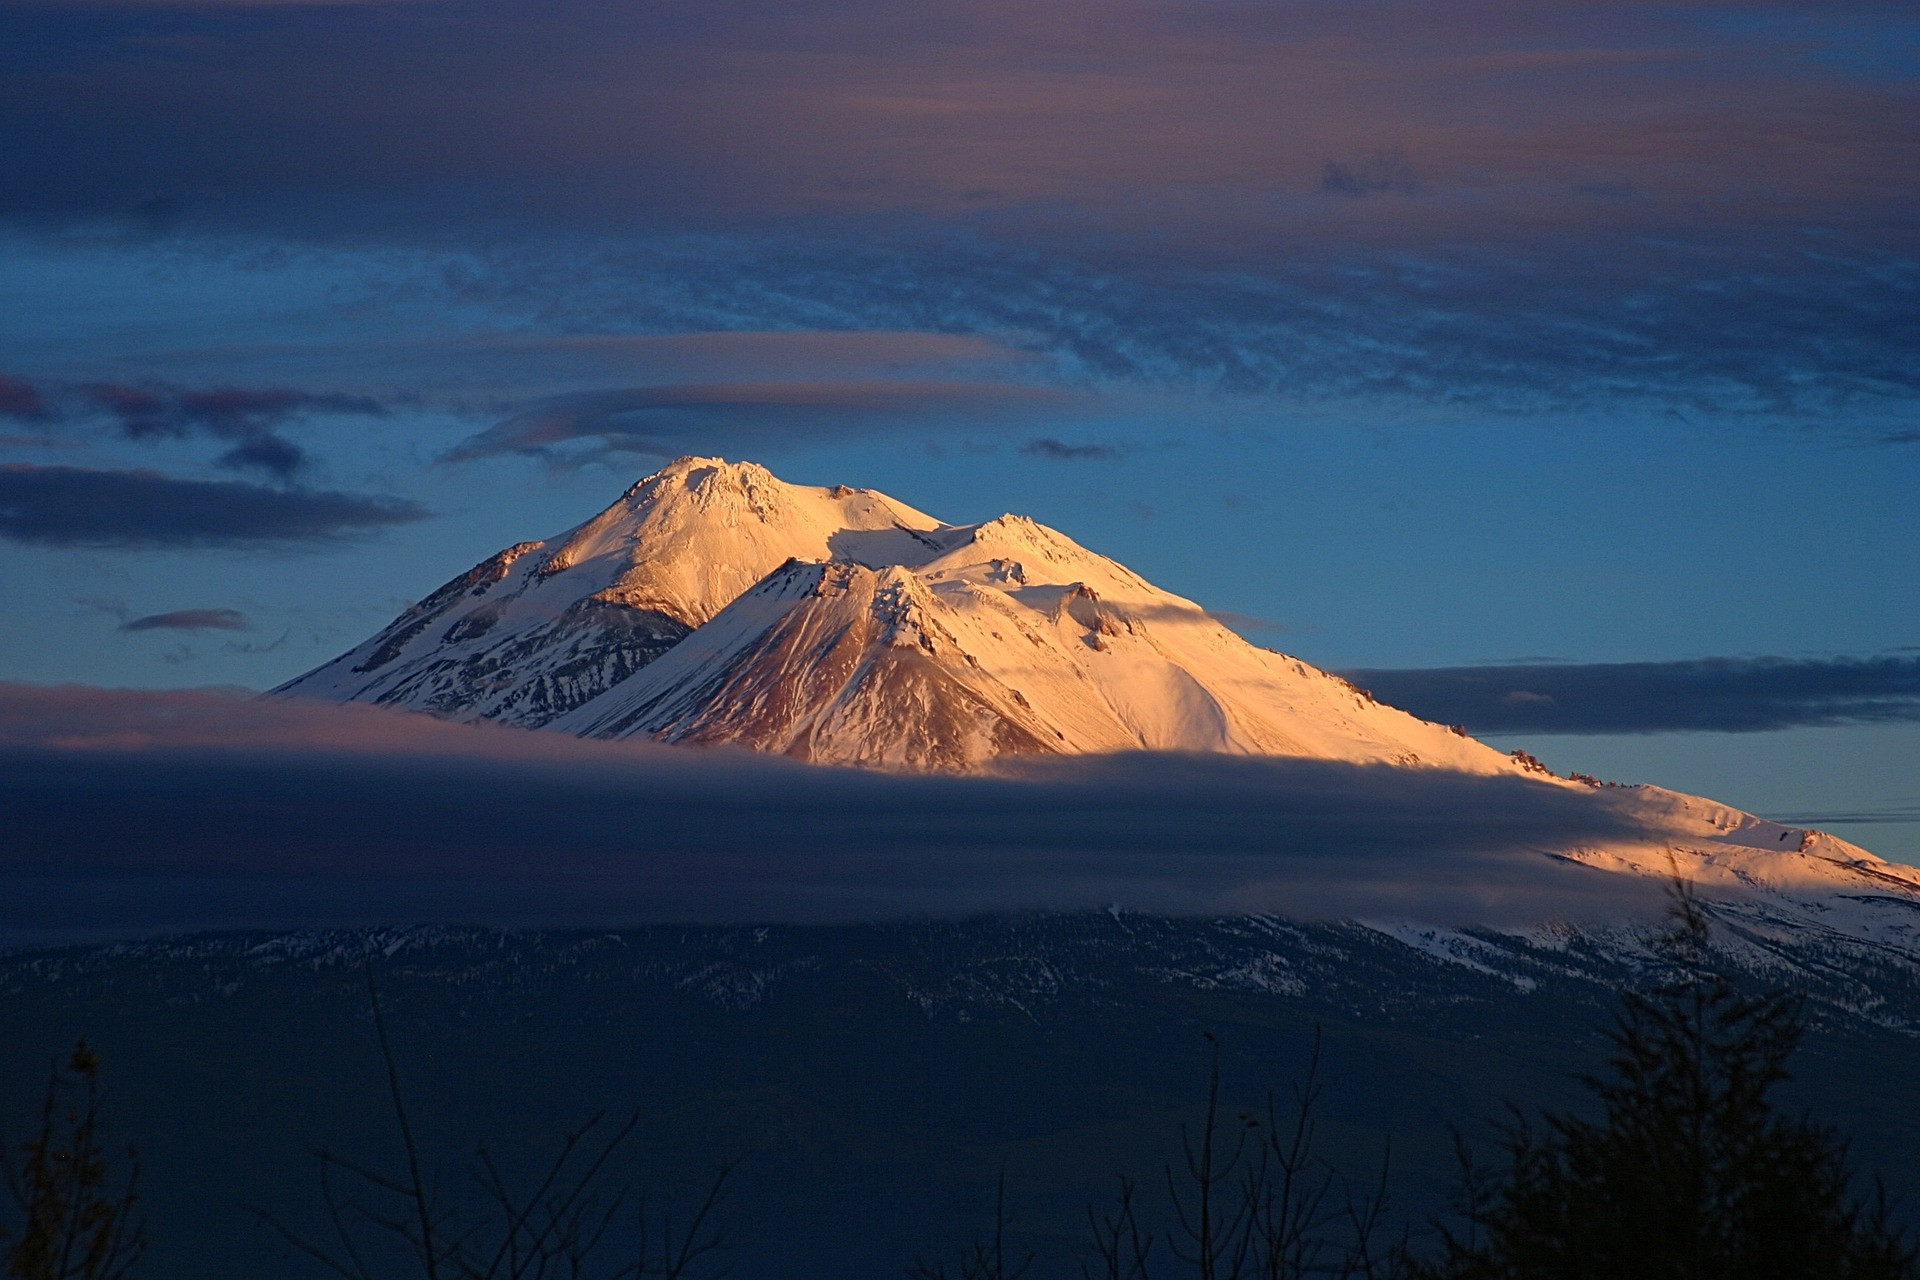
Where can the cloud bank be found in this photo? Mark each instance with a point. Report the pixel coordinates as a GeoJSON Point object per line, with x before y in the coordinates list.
{"type": "Point", "coordinates": [1179, 111]}
{"type": "Point", "coordinates": [84, 507]}
{"type": "Point", "coordinates": [1728, 323]}
{"type": "Point", "coordinates": [1512, 204]}
{"type": "Point", "coordinates": [1728, 695]}
{"type": "Point", "coordinates": [161, 811]}
{"type": "Point", "coordinates": [244, 418]}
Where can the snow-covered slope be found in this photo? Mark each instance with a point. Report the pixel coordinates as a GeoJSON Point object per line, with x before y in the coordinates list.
{"type": "Point", "coordinates": [840, 625]}
{"type": "Point", "coordinates": [1781, 881]}
{"type": "Point", "coordinates": [1016, 641]}
{"type": "Point", "coordinates": [541, 627]}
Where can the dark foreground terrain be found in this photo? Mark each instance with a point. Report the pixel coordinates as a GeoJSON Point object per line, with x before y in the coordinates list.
{"type": "Point", "coordinates": [875, 1079]}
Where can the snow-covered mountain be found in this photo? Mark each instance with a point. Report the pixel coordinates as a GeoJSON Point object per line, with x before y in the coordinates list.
{"type": "Point", "coordinates": [714, 603]}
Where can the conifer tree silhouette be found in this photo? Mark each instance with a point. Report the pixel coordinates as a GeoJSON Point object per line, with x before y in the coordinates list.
{"type": "Point", "coordinates": [1689, 1172]}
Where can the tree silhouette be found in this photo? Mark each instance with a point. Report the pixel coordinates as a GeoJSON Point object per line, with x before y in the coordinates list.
{"type": "Point", "coordinates": [1689, 1172]}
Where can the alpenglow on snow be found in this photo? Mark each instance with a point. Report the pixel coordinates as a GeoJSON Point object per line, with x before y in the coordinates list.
{"type": "Point", "coordinates": [714, 603]}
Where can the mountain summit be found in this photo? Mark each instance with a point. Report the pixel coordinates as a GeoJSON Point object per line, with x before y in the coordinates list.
{"type": "Point", "coordinates": [714, 603]}
{"type": "Point", "coordinates": [536, 630]}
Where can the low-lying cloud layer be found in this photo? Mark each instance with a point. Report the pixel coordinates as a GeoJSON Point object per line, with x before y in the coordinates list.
{"type": "Point", "coordinates": [1731, 695]}
{"type": "Point", "coordinates": [85, 507]}
{"type": "Point", "coordinates": [152, 811]}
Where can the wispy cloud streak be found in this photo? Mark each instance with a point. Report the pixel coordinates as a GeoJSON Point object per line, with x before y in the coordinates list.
{"type": "Point", "coordinates": [85, 507]}
{"type": "Point", "coordinates": [665, 421]}
{"type": "Point", "coordinates": [190, 620]}
{"type": "Point", "coordinates": [1731, 695]}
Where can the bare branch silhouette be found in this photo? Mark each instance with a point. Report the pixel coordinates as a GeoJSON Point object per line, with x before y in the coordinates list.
{"type": "Point", "coordinates": [987, 1257]}
{"type": "Point", "coordinates": [560, 1228]}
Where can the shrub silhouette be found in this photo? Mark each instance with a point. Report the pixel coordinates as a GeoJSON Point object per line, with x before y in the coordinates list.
{"type": "Point", "coordinates": [74, 1223]}
{"type": "Point", "coordinates": [1250, 1198]}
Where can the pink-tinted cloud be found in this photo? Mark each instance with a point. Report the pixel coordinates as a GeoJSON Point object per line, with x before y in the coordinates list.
{"type": "Point", "coordinates": [91, 718]}
{"type": "Point", "coordinates": [20, 399]}
{"type": "Point", "coordinates": [1212, 117]}
{"type": "Point", "coordinates": [765, 355]}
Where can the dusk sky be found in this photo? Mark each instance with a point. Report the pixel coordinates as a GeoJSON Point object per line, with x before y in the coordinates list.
{"type": "Point", "coordinates": [1578, 342]}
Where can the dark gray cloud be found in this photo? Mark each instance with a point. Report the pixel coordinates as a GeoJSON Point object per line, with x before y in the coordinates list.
{"type": "Point", "coordinates": [668, 421]}
{"type": "Point", "coordinates": [82, 507]}
{"type": "Point", "coordinates": [190, 620]}
{"type": "Point", "coordinates": [244, 416]}
{"type": "Point", "coordinates": [1736, 695]}
{"type": "Point", "coordinates": [1061, 451]}
{"type": "Point", "coordinates": [1372, 174]}
{"type": "Point", "coordinates": [289, 802]}
{"type": "Point", "coordinates": [1856, 817]}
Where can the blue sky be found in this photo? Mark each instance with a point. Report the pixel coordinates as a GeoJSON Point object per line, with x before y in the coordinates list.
{"type": "Point", "coordinates": [1412, 335]}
